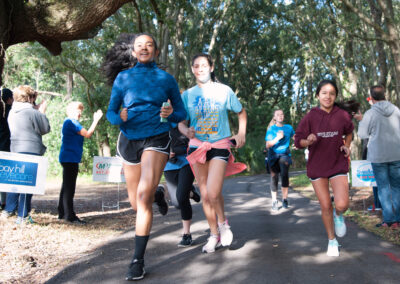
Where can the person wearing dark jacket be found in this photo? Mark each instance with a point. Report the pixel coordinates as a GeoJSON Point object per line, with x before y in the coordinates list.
{"type": "Point", "coordinates": [7, 99]}
{"type": "Point", "coordinates": [322, 131]}
{"type": "Point", "coordinates": [179, 178]}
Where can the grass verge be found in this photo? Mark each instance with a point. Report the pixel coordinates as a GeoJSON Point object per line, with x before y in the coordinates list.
{"type": "Point", "coordinates": [360, 199]}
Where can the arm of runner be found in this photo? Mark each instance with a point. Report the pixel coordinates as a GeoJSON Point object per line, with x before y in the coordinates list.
{"type": "Point", "coordinates": [189, 132]}
{"type": "Point", "coordinates": [346, 147]}
{"type": "Point", "coordinates": [241, 136]}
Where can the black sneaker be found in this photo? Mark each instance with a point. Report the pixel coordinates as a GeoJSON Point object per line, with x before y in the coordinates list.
{"type": "Point", "coordinates": [194, 195]}
{"type": "Point", "coordinates": [136, 270]}
{"type": "Point", "coordinates": [285, 203]}
{"type": "Point", "coordinates": [186, 241]}
{"type": "Point", "coordinates": [77, 221]}
{"type": "Point", "coordinates": [159, 198]}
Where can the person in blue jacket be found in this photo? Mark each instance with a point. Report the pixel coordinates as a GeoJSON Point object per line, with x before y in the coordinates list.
{"type": "Point", "coordinates": [72, 136]}
{"type": "Point", "coordinates": [136, 105]}
{"type": "Point", "coordinates": [279, 159]}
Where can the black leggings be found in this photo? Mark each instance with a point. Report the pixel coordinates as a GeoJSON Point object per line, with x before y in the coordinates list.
{"type": "Point", "coordinates": [66, 201]}
{"type": "Point", "coordinates": [183, 180]}
{"type": "Point", "coordinates": [281, 166]}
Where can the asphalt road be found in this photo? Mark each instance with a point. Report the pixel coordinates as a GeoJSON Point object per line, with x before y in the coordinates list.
{"type": "Point", "coordinates": [284, 247]}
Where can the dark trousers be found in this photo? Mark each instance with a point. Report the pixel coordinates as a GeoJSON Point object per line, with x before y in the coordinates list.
{"type": "Point", "coordinates": [66, 201]}
{"type": "Point", "coordinates": [183, 180]}
{"type": "Point", "coordinates": [281, 166]}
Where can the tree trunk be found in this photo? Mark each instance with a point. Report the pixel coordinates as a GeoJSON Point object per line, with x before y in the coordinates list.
{"type": "Point", "coordinates": [379, 47]}
{"type": "Point", "coordinates": [105, 147]}
{"type": "Point", "coordinates": [70, 84]}
{"type": "Point", "coordinates": [217, 26]}
{"type": "Point", "coordinates": [51, 22]}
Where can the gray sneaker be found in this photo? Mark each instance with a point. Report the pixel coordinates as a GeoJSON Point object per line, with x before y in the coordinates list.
{"type": "Point", "coordinates": [275, 205]}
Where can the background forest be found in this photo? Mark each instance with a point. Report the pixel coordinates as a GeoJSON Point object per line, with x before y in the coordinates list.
{"type": "Point", "coordinates": [271, 53]}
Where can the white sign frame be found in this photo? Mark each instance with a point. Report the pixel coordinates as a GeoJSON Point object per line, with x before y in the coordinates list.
{"type": "Point", "coordinates": [107, 169]}
{"type": "Point", "coordinates": [6, 184]}
{"type": "Point", "coordinates": [362, 174]}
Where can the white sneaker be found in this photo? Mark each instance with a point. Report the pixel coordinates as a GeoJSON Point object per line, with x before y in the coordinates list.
{"type": "Point", "coordinates": [225, 233]}
{"type": "Point", "coordinates": [333, 248]}
{"type": "Point", "coordinates": [212, 244]}
{"type": "Point", "coordinates": [275, 205]}
{"type": "Point", "coordinates": [340, 225]}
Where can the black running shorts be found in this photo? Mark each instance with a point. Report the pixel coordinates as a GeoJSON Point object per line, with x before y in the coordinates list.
{"type": "Point", "coordinates": [222, 154]}
{"type": "Point", "coordinates": [130, 151]}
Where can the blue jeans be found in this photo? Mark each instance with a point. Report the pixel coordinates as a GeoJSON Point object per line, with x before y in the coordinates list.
{"type": "Point", "coordinates": [387, 176]}
{"type": "Point", "coordinates": [19, 201]}
{"type": "Point", "coordinates": [377, 202]}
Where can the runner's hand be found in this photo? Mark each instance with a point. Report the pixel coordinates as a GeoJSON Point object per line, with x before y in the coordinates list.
{"type": "Point", "coordinates": [280, 135]}
{"type": "Point", "coordinates": [240, 140]}
{"type": "Point", "coordinates": [166, 111]}
{"type": "Point", "coordinates": [346, 150]}
{"type": "Point", "coordinates": [311, 139]}
{"type": "Point", "coordinates": [124, 114]}
{"type": "Point", "coordinates": [190, 132]}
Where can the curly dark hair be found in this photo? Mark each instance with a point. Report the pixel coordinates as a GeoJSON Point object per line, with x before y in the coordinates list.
{"type": "Point", "coordinates": [119, 57]}
{"type": "Point", "coordinates": [351, 106]}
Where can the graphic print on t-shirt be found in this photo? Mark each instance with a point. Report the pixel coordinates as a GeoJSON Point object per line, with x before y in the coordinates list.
{"type": "Point", "coordinates": [207, 114]}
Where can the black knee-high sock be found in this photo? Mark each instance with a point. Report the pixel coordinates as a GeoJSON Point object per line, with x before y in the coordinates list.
{"type": "Point", "coordinates": [140, 246]}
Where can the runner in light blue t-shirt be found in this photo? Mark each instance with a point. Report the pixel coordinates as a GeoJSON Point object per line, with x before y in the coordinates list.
{"type": "Point", "coordinates": [207, 109]}
{"type": "Point", "coordinates": [207, 105]}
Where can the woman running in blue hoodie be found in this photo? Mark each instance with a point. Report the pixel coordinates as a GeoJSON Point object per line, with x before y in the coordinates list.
{"type": "Point", "coordinates": [136, 105]}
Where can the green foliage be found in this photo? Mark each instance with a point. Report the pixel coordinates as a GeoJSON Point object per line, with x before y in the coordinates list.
{"type": "Point", "coordinates": [300, 181]}
{"type": "Point", "coordinates": [271, 53]}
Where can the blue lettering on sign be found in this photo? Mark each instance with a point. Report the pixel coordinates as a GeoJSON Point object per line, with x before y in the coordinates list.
{"type": "Point", "coordinates": [18, 172]}
{"type": "Point", "coordinates": [365, 173]}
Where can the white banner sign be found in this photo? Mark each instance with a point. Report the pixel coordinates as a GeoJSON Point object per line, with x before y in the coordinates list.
{"type": "Point", "coordinates": [21, 173]}
{"type": "Point", "coordinates": [362, 174]}
{"type": "Point", "coordinates": [108, 169]}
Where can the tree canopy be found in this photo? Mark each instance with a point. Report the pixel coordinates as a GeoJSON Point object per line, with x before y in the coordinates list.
{"type": "Point", "coordinates": [271, 53]}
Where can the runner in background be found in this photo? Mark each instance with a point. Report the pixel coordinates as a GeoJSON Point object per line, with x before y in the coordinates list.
{"type": "Point", "coordinates": [279, 158]}
{"type": "Point", "coordinates": [179, 178]}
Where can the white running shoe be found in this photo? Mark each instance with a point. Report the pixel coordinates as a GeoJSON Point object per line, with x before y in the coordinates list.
{"type": "Point", "coordinates": [225, 233]}
{"type": "Point", "coordinates": [333, 248]}
{"type": "Point", "coordinates": [212, 244]}
{"type": "Point", "coordinates": [340, 225]}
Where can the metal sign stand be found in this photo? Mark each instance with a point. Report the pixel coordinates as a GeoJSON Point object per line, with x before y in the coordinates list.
{"type": "Point", "coordinates": [108, 205]}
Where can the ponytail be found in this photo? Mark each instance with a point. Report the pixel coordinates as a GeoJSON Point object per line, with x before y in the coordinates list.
{"type": "Point", "coordinates": [119, 57]}
{"type": "Point", "coordinates": [350, 106]}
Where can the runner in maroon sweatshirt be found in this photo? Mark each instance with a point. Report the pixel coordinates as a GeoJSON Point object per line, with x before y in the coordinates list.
{"type": "Point", "coordinates": [327, 132]}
